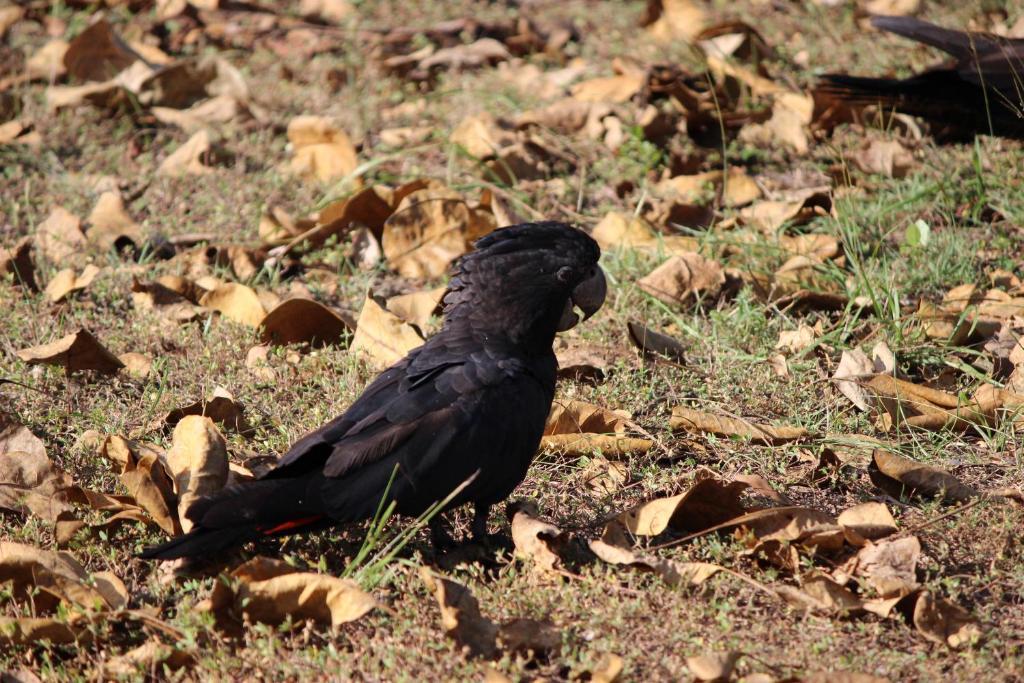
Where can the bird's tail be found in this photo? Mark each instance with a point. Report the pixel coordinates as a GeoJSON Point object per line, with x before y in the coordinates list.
{"type": "Point", "coordinates": [959, 44]}
{"type": "Point", "coordinates": [242, 513]}
{"type": "Point", "coordinates": [862, 90]}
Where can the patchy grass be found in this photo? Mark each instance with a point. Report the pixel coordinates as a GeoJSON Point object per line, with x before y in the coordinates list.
{"type": "Point", "coordinates": [974, 558]}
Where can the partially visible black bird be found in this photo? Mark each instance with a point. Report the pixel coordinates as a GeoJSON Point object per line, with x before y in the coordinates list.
{"type": "Point", "coordinates": [470, 403]}
{"type": "Point", "coordinates": [980, 91]}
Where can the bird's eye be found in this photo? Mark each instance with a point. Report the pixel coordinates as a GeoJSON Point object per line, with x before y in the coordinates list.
{"type": "Point", "coordinates": [564, 274]}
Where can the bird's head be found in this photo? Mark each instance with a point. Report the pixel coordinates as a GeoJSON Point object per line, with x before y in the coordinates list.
{"type": "Point", "coordinates": [526, 281]}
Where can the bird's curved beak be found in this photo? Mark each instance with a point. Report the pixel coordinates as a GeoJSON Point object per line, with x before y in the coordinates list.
{"type": "Point", "coordinates": [588, 296]}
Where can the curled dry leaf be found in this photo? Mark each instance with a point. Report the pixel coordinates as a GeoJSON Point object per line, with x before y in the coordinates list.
{"type": "Point", "coordinates": [618, 231]}
{"type": "Point", "coordinates": [698, 421]}
{"type": "Point", "coordinates": [614, 548]}
{"type": "Point", "coordinates": [651, 341]}
{"type": "Point", "coordinates": [795, 341]}
{"type": "Point", "coordinates": [461, 617]}
{"type": "Point", "coordinates": [110, 225]}
{"type": "Point", "coordinates": [944, 622]}
{"type": "Point", "coordinates": [59, 577]}
{"type": "Point", "coordinates": [417, 308]}
{"type": "Point", "coordinates": [323, 151]}
{"type": "Point", "coordinates": [60, 236]}
{"type": "Point", "coordinates": [137, 365]}
{"type": "Point", "coordinates": [150, 656]}
{"type": "Point", "coordinates": [709, 502]}
{"type": "Point", "coordinates": [188, 158]}
{"type": "Point", "coordinates": [713, 667]}
{"type": "Point", "coordinates": [576, 428]}
{"type": "Point", "coordinates": [271, 591]}
{"type": "Point", "coordinates": [32, 631]}
{"type": "Point", "coordinates": [77, 351]}
{"type": "Point", "coordinates": [889, 566]}
{"type": "Point", "coordinates": [66, 282]}
{"type": "Point", "coordinates": [382, 336]}
{"type": "Point", "coordinates": [770, 216]}
{"type": "Point", "coordinates": [236, 302]}
{"type": "Point", "coordinates": [669, 20]}
{"type": "Point", "coordinates": [618, 88]}
{"type": "Point", "coordinates": [29, 481]}
{"type": "Point", "coordinates": [604, 477]}
{"type": "Point", "coordinates": [145, 476]}
{"type": "Point", "coordinates": [220, 406]}
{"type": "Point", "coordinates": [868, 520]}
{"type": "Point", "coordinates": [534, 538]}
{"type": "Point", "coordinates": [898, 476]}
{"type": "Point", "coordinates": [683, 278]}
{"type": "Point", "coordinates": [853, 366]}
{"type": "Point", "coordinates": [429, 229]}
{"type": "Point", "coordinates": [198, 462]}
{"type": "Point", "coordinates": [16, 263]}
{"type": "Point", "coordinates": [884, 157]}
{"type": "Point", "coordinates": [304, 321]}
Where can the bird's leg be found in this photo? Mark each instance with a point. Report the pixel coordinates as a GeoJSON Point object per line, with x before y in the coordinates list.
{"type": "Point", "coordinates": [440, 538]}
{"type": "Point", "coordinates": [479, 526]}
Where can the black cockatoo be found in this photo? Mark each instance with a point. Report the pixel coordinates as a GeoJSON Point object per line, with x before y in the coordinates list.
{"type": "Point", "coordinates": [470, 404]}
{"type": "Point", "coordinates": [981, 91]}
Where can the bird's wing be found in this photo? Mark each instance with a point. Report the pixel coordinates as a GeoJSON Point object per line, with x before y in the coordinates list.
{"type": "Point", "coordinates": [423, 398]}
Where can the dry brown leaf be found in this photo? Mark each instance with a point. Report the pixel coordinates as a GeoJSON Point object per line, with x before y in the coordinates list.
{"type": "Point", "coordinates": [382, 336]}
{"type": "Point", "coordinates": [429, 229]}
{"type": "Point", "coordinates": [897, 475]}
{"type": "Point", "coordinates": [707, 503]}
{"type": "Point", "coordinates": [304, 321]}
{"type": "Point", "coordinates": [169, 302]}
{"type": "Point", "coordinates": [699, 421]}
{"type": "Point", "coordinates": [188, 158]}
{"type": "Point", "coordinates": [607, 670]}
{"type": "Point", "coordinates": [683, 278]}
{"type": "Point", "coordinates": [889, 566]}
{"type": "Point", "coordinates": [236, 302]}
{"type": "Point", "coordinates": [272, 591]}
{"type": "Point", "coordinates": [77, 351]}
{"type": "Point", "coordinates": [769, 216]}
{"type": "Point", "coordinates": [66, 282]}
{"type": "Point", "coordinates": [110, 225]}
{"type": "Point", "coordinates": [604, 477]}
{"type": "Point", "coordinates": [713, 667]}
{"type": "Point", "coordinates": [220, 406]}
{"type": "Point", "coordinates": [60, 236]}
{"type": "Point", "coordinates": [669, 20]}
{"type": "Point", "coordinates": [614, 548]}
{"type": "Point", "coordinates": [819, 593]}
{"type": "Point", "coordinates": [480, 136]}
{"type": "Point", "coordinates": [29, 480]}
{"type": "Point", "coordinates": [534, 538]}
{"type": "Point", "coordinates": [478, 53]}
{"type": "Point", "coordinates": [619, 88]}
{"type": "Point", "coordinates": [944, 622]}
{"type": "Point", "coordinates": [651, 341]}
{"type": "Point", "coordinates": [575, 417]}
{"type": "Point", "coordinates": [788, 125]}
{"type": "Point", "coordinates": [16, 262]}
{"type": "Point", "coordinates": [144, 475]}
{"type": "Point", "coordinates": [583, 361]}
{"type": "Point", "coordinates": [892, 7]}
{"type": "Point", "coordinates": [150, 656]}
{"type": "Point", "coordinates": [31, 631]}
{"type": "Point", "coordinates": [323, 151]}
{"type": "Point", "coordinates": [417, 308]}
{"type": "Point", "coordinates": [794, 524]}
{"type": "Point", "coordinates": [47, 62]}
{"type": "Point", "coordinates": [854, 365]}
{"type": "Point", "coordinates": [198, 462]}
{"type": "Point", "coordinates": [617, 231]}
{"type": "Point", "coordinates": [795, 341]}
{"type": "Point", "coordinates": [137, 365]}
{"type": "Point", "coordinates": [460, 616]}
{"type": "Point", "coordinates": [576, 445]}
{"type": "Point", "coordinates": [868, 520]}
{"type": "Point", "coordinates": [884, 157]}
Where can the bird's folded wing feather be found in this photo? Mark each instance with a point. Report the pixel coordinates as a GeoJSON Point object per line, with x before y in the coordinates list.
{"type": "Point", "coordinates": [436, 385]}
